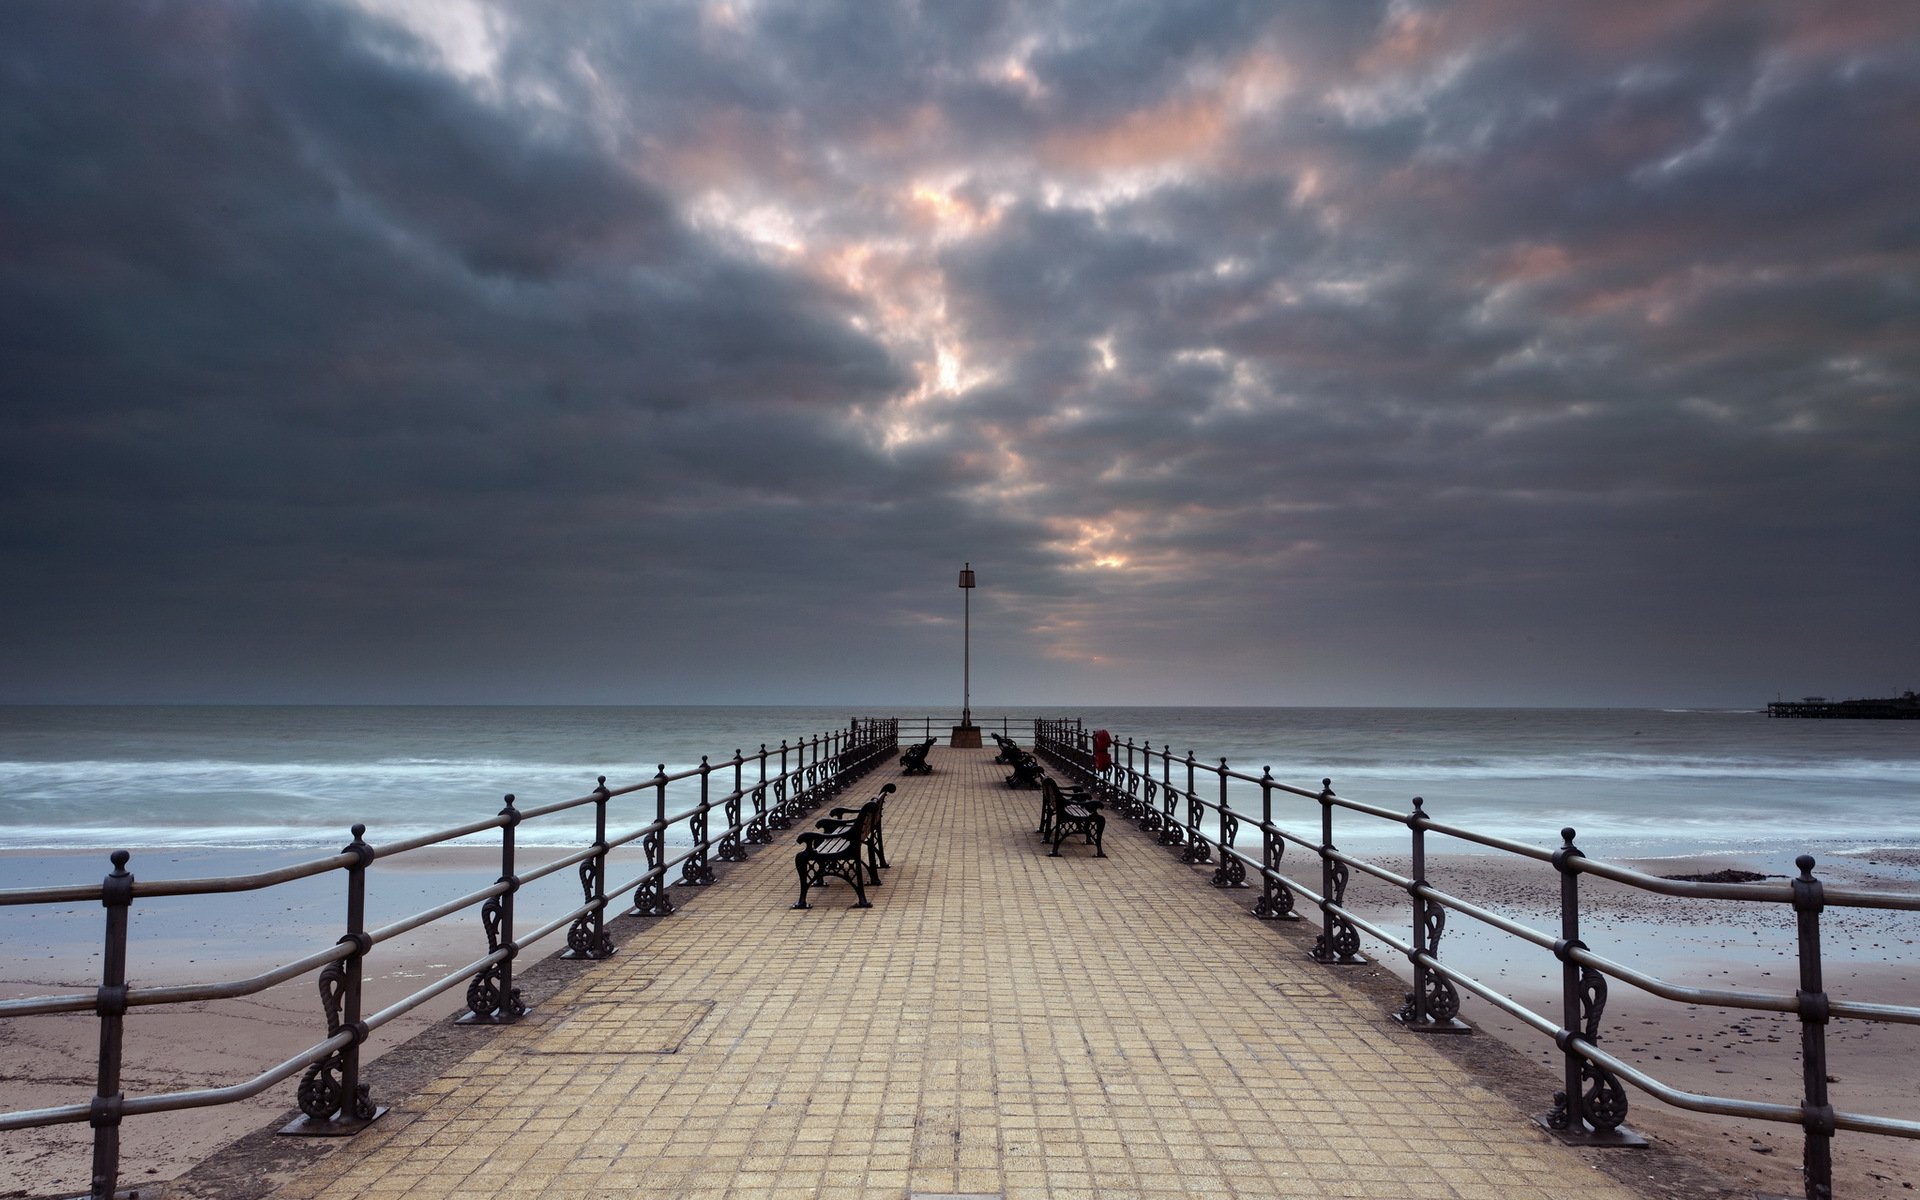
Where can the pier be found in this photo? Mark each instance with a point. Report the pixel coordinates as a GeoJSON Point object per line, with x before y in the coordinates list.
{"type": "Point", "coordinates": [1905, 706]}
{"type": "Point", "coordinates": [999, 1023]}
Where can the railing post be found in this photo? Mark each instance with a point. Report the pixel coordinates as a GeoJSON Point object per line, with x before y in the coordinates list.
{"type": "Point", "coordinates": [356, 962]}
{"type": "Point", "coordinates": [110, 1006]}
{"type": "Point", "coordinates": [491, 997]}
{"type": "Point", "coordinates": [696, 870]}
{"type": "Point", "coordinates": [1231, 872]}
{"type": "Point", "coordinates": [650, 898]}
{"type": "Point", "coordinates": [1197, 851]}
{"type": "Point", "coordinates": [1134, 806]}
{"type": "Point", "coordinates": [1339, 942]}
{"type": "Point", "coordinates": [1433, 1006]}
{"type": "Point", "coordinates": [788, 788]}
{"type": "Point", "coordinates": [1593, 1106]}
{"type": "Point", "coordinates": [333, 1099]}
{"type": "Point", "coordinates": [1172, 831]}
{"type": "Point", "coordinates": [816, 773]}
{"type": "Point", "coordinates": [1276, 898]}
{"type": "Point", "coordinates": [807, 769]}
{"type": "Point", "coordinates": [757, 831]}
{"type": "Point", "coordinates": [732, 849]}
{"type": "Point", "coordinates": [783, 814]}
{"type": "Point", "coordinates": [1816, 1111]}
{"type": "Point", "coordinates": [588, 936]}
{"type": "Point", "coordinates": [803, 772]}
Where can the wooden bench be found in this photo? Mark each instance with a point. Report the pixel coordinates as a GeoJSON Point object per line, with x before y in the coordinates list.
{"type": "Point", "coordinates": [1027, 772]}
{"type": "Point", "coordinates": [1010, 751]}
{"type": "Point", "coordinates": [837, 850]}
{"type": "Point", "coordinates": [1062, 814]}
{"type": "Point", "coordinates": [877, 843]}
{"type": "Point", "coordinates": [914, 761]}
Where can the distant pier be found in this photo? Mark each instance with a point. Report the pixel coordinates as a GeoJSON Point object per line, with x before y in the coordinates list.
{"type": "Point", "coordinates": [1903, 707]}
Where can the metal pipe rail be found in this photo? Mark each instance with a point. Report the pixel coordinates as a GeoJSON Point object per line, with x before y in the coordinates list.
{"type": "Point", "coordinates": [788, 781]}
{"type": "Point", "coordinates": [920, 726]}
{"type": "Point", "coordinates": [1592, 1108]}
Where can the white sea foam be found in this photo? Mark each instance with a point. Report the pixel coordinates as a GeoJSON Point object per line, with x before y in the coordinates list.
{"type": "Point", "coordinates": [301, 777]}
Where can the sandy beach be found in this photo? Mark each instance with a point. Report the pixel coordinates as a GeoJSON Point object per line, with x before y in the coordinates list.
{"type": "Point", "coordinates": [50, 1060]}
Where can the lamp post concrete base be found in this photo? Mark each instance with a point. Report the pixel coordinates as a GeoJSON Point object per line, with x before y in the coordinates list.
{"type": "Point", "coordinates": [965, 737]}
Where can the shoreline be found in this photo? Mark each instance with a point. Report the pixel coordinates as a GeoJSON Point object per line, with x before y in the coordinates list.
{"type": "Point", "coordinates": [51, 1058]}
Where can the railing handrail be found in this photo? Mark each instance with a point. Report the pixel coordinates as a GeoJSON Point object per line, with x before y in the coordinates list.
{"type": "Point", "coordinates": [788, 780]}
{"type": "Point", "coordinates": [1127, 779]}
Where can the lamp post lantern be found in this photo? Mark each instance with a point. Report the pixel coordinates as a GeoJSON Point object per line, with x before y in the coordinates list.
{"type": "Point", "coordinates": [966, 733]}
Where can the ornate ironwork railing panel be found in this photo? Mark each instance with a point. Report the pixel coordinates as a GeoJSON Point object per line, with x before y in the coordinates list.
{"type": "Point", "coordinates": [332, 1096]}
{"type": "Point", "coordinates": [1592, 1105]}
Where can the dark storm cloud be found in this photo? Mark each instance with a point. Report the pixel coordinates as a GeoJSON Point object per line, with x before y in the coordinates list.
{"type": "Point", "coordinates": [1326, 352]}
{"type": "Point", "coordinates": [297, 324]}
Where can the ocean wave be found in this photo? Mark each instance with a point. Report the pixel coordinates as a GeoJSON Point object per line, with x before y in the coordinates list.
{"type": "Point", "coordinates": [232, 773]}
{"type": "Point", "coordinates": [301, 778]}
{"type": "Point", "coordinates": [1626, 768]}
{"type": "Point", "coordinates": [543, 835]}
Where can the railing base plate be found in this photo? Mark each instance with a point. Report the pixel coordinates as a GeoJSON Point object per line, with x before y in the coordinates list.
{"type": "Point", "coordinates": [488, 1019]}
{"type": "Point", "coordinates": [1622, 1138]}
{"type": "Point", "coordinates": [332, 1127]}
{"type": "Point", "coordinates": [1450, 1025]}
{"type": "Point", "coordinates": [1358, 960]}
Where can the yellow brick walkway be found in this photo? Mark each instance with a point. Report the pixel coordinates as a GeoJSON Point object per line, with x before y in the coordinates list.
{"type": "Point", "coordinates": [999, 1023]}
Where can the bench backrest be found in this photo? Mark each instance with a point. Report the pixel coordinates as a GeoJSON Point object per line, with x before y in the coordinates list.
{"type": "Point", "coordinates": [1050, 796]}
{"type": "Point", "coordinates": [863, 821]}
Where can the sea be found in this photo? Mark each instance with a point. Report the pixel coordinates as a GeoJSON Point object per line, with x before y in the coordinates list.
{"type": "Point", "coordinates": [1631, 782]}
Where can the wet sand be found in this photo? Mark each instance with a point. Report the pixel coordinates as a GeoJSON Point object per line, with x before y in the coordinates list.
{"type": "Point", "coordinates": [46, 1061]}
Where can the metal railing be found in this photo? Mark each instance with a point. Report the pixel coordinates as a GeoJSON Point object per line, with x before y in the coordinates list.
{"type": "Point", "coordinates": [785, 783]}
{"type": "Point", "coordinates": [921, 726]}
{"type": "Point", "coordinates": [1592, 1108]}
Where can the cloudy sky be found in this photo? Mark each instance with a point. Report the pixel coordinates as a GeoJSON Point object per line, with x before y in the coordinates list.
{"type": "Point", "coordinates": [1318, 352]}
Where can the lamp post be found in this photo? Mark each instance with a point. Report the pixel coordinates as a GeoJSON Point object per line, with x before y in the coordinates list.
{"type": "Point", "coordinates": [966, 733]}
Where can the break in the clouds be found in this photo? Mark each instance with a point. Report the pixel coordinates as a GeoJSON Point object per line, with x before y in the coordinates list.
{"type": "Point", "coordinates": [1332, 352]}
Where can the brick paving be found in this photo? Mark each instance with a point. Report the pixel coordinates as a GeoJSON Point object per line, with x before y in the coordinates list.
{"type": "Point", "coordinates": [999, 1023]}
